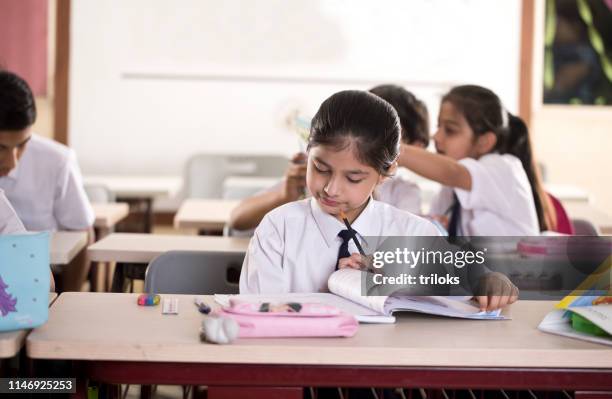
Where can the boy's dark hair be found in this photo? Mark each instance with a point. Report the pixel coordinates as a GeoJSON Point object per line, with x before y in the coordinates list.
{"type": "Point", "coordinates": [484, 112]}
{"type": "Point", "coordinates": [363, 117]}
{"type": "Point", "coordinates": [17, 106]}
{"type": "Point", "coordinates": [412, 112]}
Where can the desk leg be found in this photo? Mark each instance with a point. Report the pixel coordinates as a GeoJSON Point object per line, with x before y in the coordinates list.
{"type": "Point", "coordinates": [255, 392]}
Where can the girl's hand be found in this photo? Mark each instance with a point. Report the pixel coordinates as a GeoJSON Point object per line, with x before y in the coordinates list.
{"type": "Point", "coordinates": [499, 292]}
{"type": "Point", "coordinates": [355, 261]}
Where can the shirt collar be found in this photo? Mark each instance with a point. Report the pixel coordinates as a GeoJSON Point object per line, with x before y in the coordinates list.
{"type": "Point", "coordinates": [365, 224]}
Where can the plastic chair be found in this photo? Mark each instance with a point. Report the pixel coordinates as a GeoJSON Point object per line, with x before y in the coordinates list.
{"type": "Point", "coordinates": [194, 272]}
{"type": "Point", "coordinates": [564, 225]}
{"type": "Point", "coordinates": [99, 194]}
{"type": "Point", "coordinates": [585, 228]}
{"type": "Point", "coordinates": [205, 173]}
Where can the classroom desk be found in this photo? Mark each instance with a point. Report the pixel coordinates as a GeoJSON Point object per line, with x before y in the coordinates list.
{"type": "Point", "coordinates": [110, 338]}
{"type": "Point", "coordinates": [11, 342]}
{"type": "Point", "coordinates": [138, 186]}
{"type": "Point", "coordinates": [204, 214]}
{"type": "Point", "coordinates": [108, 215]}
{"type": "Point", "coordinates": [583, 210]}
{"type": "Point", "coordinates": [143, 248]}
{"type": "Point", "coordinates": [65, 245]}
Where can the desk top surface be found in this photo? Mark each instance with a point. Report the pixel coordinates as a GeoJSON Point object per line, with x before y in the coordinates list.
{"type": "Point", "coordinates": [142, 248]}
{"type": "Point", "coordinates": [112, 327]}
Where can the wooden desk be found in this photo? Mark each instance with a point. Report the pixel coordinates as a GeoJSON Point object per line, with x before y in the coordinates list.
{"type": "Point", "coordinates": [108, 215]}
{"type": "Point", "coordinates": [143, 248]}
{"type": "Point", "coordinates": [11, 342]}
{"type": "Point", "coordinates": [111, 338]}
{"type": "Point", "coordinates": [138, 186]}
{"type": "Point", "coordinates": [209, 214]}
{"type": "Point", "coordinates": [582, 210]}
{"type": "Point", "coordinates": [65, 245]}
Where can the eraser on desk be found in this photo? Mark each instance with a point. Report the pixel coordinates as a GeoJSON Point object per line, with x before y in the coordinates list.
{"type": "Point", "coordinates": [219, 330]}
{"type": "Point", "coordinates": [148, 300]}
{"type": "Point", "coordinates": [170, 306]}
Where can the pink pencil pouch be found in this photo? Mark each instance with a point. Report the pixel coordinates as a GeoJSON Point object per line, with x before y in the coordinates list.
{"type": "Point", "coordinates": [289, 320]}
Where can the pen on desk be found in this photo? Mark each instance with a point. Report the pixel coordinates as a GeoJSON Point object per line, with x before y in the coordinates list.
{"type": "Point", "coordinates": [202, 306]}
{"type": "Point", "coordinates": [353, 234]}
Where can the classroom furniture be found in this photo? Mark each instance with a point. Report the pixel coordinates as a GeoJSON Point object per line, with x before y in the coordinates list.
{"type": "Point", "coordinates": [204, 213]}
{"type": "Point", "coordinates": [192, 272]}
{"type": "Point", "coordinates": [136, 249]}
{"type": "Point", "coordinates": [239, 187]}
{"type": "Point", "coordinates": [564, 224]}
{"type": "Point", "coordinates": [65, 245]}
{"type": "Point", "coordinates": [417, 351]}
{"type": "Point", "coordinates": [585, 228]}
{"type": "Point", "coordinates": [585, 211]}
{"type": "Point", "coordinates": [205, 173]}
{"type": "Point", "coordinates": [139, 192]}
{"type": "Point", "coordinates": [107, 216]}
{"type": "Point", "coordinates": [143, 248]}
{"type": "Point", "coordinates": [11, 342]}
{"type": "Point", "coordinates": [99, 193]}
{"type": "Point", "coordinates": [567, 192]}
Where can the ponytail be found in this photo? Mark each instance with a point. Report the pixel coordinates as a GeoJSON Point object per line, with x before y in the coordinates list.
{"type": "Point", "coordinates": [517, 142]}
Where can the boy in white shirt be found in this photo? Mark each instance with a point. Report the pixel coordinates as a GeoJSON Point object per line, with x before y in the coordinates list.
{"type": "Point", "coordinates": [10, 224]}
{"type": "Point", "coordinates": [40, 177]}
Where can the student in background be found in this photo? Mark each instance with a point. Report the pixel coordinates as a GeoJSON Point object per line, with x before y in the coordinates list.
{"type": "Point", "coordinates": [485, 161]}
{"type": "Point", "coordinates": [353, 147]}
{"type": "Point", "coordinates": [39, 176]}
{"type": "Point", "coordinates": [397, 191]}
{"type": "Point", "coordinates": [10, 224]}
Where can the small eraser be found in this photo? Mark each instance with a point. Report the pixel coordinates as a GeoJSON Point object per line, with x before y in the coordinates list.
{"type": "Point", "coordinates": [219, 330]}
{"type": "Point", "coordinates": [170, 306]}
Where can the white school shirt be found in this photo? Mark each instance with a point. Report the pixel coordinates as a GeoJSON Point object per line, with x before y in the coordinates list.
{"type": "Point", "coordinates": [295, 247]}
{"type": "Point", "coordinates": [401, 193]}
{"type": "Point", "coordinates": [46, 188]}
{"type": "Point", "coordinates": [9, 221]}
{"type": "Point", "coordinates": [500, 202]}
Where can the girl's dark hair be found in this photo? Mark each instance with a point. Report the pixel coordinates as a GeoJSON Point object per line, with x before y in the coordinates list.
{"type": "Point", "coordinates": [369, 121]}
{"type": "Point", "coordinates": [412, 112]}
{"type": "Point", "coordinates": [484, 113]}
{"type": "Point", "coordinates": [17, 106]}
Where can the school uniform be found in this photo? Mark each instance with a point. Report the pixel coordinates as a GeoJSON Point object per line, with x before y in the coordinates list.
{"type": "Point", "coordinates": [500, 202]}
{"type": "Point", "coordinates": [401, 193]}
{"type": "Point", "coordinates": [9, 221]}
{"type": "Point", "coordinates": [295, 247]}
{"type": "Point", "coordinates": [46, 188]}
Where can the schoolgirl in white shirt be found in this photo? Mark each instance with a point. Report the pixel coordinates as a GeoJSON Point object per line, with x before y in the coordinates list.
{"type": "Point", "coordinates": [397, 190]}
{"type": "Point", "coordinates": [485, 161]}
{"type": "Point", "coordinates": [353, 147]}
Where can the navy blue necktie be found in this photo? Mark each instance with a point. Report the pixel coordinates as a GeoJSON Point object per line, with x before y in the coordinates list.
{"type": "Point", "coordinates": [453, 223]}
{"type": "Point", "coordinates": [343, 252]}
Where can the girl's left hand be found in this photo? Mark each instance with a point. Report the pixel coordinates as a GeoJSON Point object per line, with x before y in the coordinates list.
{"type": "Point", "coordinates": [499, 292]}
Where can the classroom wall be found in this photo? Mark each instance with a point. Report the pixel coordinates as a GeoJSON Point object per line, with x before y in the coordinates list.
{"type": "Point", "coordinates": [152, 83]}
{"type": "Point", "coordinates": [574, 143]}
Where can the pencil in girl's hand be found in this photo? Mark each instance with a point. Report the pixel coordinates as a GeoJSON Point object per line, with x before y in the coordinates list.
{"type": "Point", "coordinates": [353, 234]}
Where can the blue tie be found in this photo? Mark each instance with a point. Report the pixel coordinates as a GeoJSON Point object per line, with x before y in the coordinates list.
{"type": "Point", "coordinates": [343, 252]}
{"type": "Point", "coordinates": [455, 217]}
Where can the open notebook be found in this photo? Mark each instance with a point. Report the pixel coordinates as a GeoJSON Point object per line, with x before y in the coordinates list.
{"type": "Point", "coordinates": [345, 294]}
